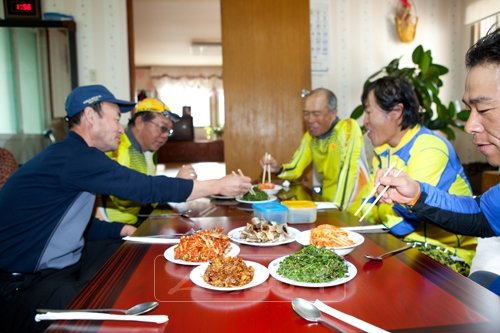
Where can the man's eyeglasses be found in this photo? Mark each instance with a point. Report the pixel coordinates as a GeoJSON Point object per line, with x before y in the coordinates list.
{"type": "Point", "coordinates": [163, 129]}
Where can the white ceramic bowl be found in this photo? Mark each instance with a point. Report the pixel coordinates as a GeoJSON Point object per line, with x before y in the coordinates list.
{"type": "Point", "coordinates": [274, 190]}
{"type": "Point", "coordinates": [305, 239]}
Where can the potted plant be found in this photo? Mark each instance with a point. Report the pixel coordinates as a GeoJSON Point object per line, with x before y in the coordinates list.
{"type": "Point", "coordinates": [214, 132]}
{"type": "Point", "coordinates": [426, 79]}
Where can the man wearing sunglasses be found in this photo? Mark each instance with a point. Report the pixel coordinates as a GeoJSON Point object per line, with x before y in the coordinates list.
{"type": "Point", "coordinates": [148, 130]}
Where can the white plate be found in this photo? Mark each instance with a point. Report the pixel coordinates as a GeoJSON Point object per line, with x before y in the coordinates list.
{"type": "Point", "coordinates": [235, 236]}
{"type": "Point", "coordinates": [222, 197]}
{"type": "Point", "coordinates": [169, 254]}
{"type": "Point", "coordinates": [271, 198]}
{"type": "Point", "coordinates": [275, 264]}
{"type": "Point", "coordinates": [260, 276]}
{"type": "Point", "coordinates": [305, 239]}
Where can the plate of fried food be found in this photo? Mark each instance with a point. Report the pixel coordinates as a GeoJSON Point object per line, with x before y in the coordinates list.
{"type": "Point", "coordinates": [201, 247]}
{"type": "Point", "coordinates": [226, 273]}
{"type": "Point", "coordinates": [312, 267]}
{"type": "Point", "coordinates": [260, 232]}
{"type": "Point", "coordinates": [341, 241]}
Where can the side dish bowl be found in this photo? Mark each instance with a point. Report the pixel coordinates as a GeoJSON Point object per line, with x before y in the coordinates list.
{"type": "Point", "coordinates": [305, 239]}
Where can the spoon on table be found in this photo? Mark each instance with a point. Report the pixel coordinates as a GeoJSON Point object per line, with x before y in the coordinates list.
{"type": "Point", "coordinates": [133, 311]}
{"type": "Point", "coordinates": [382, 256]}
{"type": "Point", "coordinates": [310, 312]}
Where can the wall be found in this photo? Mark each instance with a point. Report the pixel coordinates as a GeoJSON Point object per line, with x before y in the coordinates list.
{"type": "Point", "coordinates": [362, 39]}
{"type": "Point", "coordinates": [102, 41]}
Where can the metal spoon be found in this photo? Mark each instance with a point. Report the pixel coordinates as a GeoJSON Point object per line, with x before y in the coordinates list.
{"type": "Point", "coordinates": [310, 312]}
{"type": "Point", "coordinates": [133, 311]}
{"type": "Point", "coordinates": [382, 256]}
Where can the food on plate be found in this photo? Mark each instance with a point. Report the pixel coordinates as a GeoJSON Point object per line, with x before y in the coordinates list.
{"type": "Point", "coordinates": [202, 246]}
{"type": "Point", "coordinates": [330, 236]}
{"type": "Point", "coordinates": [228, 272]}
{"type": "Point", "coordinates": [259, 230]}
{"type": "Point", "coordinates": [258, 195]}
{"type": "Point", "coordinates": [266, 186]}
{"type": "Point", "coordinates": [313, 265]}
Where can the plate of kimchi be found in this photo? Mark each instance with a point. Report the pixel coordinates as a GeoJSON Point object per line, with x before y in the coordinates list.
{"type": "Point", "coordinates": [201, 247]}
{"type": "Point", "coordinates": [341, 241]}
{"type": "Point", "coordinates": [226, 273]}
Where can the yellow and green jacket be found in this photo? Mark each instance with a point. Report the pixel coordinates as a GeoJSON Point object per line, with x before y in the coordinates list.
{"type": "Point", "coordinates": [426, 157]}
{"type": "Point", "coordinates": [129, 154]}
{"type": "Point", "coordinates": [338, 157]}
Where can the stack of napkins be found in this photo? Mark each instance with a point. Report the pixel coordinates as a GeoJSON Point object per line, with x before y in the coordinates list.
{"type": "Point", "coordinates": [76, 315]}
{"type": "Point", "coordinates": [322, 205]}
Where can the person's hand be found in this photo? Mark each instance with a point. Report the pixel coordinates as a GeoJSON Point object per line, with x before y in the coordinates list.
{"type": "Point", "coordinates": [230, 185]}
{"type": "Point", "coordinates": [402, 189]}
{"type": "Point", "coordinates": [187, 172]}
{"type": "Point", "coordinates": [233, 185]}
{"type": "Point", "coordinates": [267, 159]}
{"type": "Point", "coordinates": [127, 230]}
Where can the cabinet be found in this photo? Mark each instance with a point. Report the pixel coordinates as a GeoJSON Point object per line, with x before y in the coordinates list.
{"type": "Point", "coordinates": [191, 151]}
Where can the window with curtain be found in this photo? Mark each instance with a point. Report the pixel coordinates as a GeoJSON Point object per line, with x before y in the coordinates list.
{"type": "Point", "coordinates": [22, 71]}
{"type": "Point", "coordinates": [480, 28]}
{"type": "Point", "coordinates": [201, 88]}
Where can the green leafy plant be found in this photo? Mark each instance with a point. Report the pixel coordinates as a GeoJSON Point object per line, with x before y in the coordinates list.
{"type": "Point", "coordinates": [425, 77]}
{"type": "Point", "coordinates": [213, 132]}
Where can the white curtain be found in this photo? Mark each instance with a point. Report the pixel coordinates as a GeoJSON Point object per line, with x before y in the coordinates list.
{"type": "Point", "coordinates": [197, 87]}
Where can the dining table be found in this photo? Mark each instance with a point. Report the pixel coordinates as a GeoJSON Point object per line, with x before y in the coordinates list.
{"type": "Point", "coordinates": [406, 292]}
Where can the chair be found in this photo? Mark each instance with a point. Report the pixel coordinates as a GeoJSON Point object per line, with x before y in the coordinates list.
{"type": "Point", "coordinates": [8, 165]}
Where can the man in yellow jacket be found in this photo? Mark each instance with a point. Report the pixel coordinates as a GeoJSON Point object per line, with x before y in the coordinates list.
{"type": "Point", "coordinates": [148, 130]}
{"type": "Point", "coordinates": [334, 146]}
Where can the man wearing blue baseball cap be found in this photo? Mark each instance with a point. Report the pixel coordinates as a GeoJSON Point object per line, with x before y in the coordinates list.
{"type": "Point", "coordinates": [50, 244]}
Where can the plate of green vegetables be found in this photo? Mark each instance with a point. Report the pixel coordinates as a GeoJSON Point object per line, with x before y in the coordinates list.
{"type": "Point", "coordinates": [312, 267]}
{"type": "Point", "coordinates": [254, 196]}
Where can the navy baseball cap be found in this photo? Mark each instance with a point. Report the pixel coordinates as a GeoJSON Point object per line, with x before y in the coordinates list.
{"type": "Point", "coordinates": [84, 96]}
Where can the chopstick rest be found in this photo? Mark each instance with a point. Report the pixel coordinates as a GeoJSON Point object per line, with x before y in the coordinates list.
{"type": "Point", "coordinates": [351, 320]}
{"type": "Point", "coordinates": [159, 319]}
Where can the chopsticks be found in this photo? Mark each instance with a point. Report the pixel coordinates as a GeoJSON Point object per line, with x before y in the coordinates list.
{"type": "Point", "coordinates": [267, 169]}
{"type": "Point", "coordinates": [380, 194]}
{"type": "Point", "coordinates": [241, 174]}
{"type": "Point", "coordinates": [374, 189]}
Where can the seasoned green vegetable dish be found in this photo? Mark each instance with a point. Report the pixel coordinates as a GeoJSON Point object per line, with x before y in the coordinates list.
{"type": "Point", "coordinates": [314, 265]}
{"type": "Point", "coordinates": [259, 195]}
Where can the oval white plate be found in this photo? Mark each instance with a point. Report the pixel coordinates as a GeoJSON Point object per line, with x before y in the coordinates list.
{"type": "Point", "coordinates": [275, 264]}
{"type": "Point", "coordinates": [305, 239]}
{"type": "Point", "coordinates": [260, 276]}
{"type": "Point", "coordinates": [169, 254]}
{"type": "Point", "coordinates": [271, 198]}
{"type": "Point", "coordinates": [222, 197]}
{"type": "Point", "coordinates": [235, 236]}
